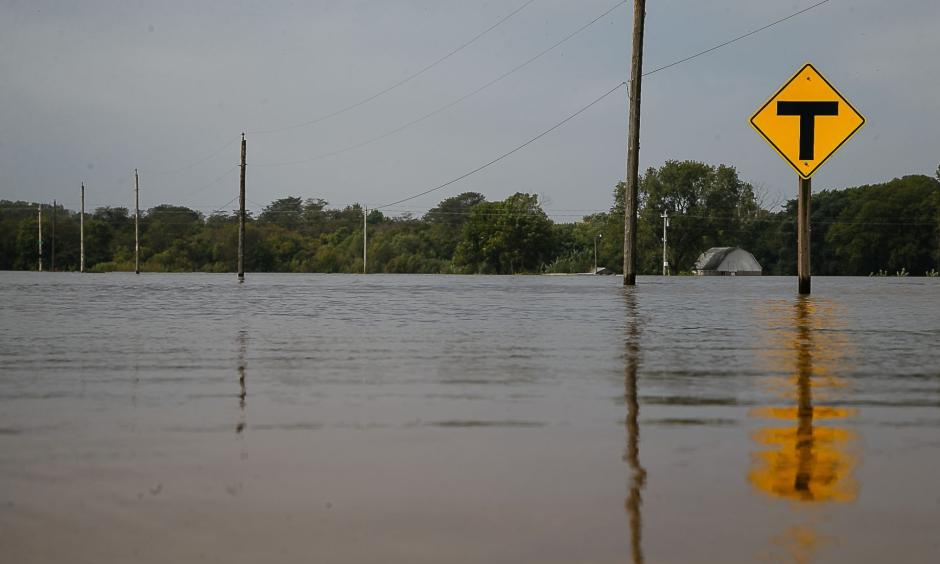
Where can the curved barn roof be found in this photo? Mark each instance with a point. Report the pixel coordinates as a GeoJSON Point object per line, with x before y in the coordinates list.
{"type": "Point", "coordinates": [727, 259]}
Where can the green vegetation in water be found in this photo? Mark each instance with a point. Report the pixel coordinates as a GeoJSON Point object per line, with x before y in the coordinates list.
{"type": "Point", "coordinates": [872, 229]}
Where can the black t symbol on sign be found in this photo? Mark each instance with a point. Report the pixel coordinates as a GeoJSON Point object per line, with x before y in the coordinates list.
{"type": "Point", "coordinates": [807, 112]}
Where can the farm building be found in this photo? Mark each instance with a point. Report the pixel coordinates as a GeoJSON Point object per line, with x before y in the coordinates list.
{"type": "Point", "coordinates": [727, 261]}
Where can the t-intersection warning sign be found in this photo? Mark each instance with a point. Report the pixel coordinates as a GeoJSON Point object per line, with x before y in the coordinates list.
{"type": "Point", "coordinates": [807, 120]}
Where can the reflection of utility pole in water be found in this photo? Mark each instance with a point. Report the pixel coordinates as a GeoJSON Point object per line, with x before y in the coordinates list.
{"type": "Point", "coordinates": [632, 455]}
{"type": "Point", "coordinates": [808, 462]}
{"type": "Point", "coordinates": [243, 392]}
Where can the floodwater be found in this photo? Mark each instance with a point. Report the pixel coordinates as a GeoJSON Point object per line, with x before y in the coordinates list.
{"type": "Point", "coordinates": [429, 419]}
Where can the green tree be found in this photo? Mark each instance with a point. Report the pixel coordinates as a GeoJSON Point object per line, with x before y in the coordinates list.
{"type": "Point", "coordinates": [447, 220]}
{"type": "Point", "coordinates": [506, 237]}
{"type": "Point", "coordinates": [888, 226]}
{"type": "Point", "coordinates": [710, 206]}
{"type": "Point", "coordinates": [288, 213]}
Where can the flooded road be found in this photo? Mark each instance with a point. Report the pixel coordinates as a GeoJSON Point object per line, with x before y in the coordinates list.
{"type": "Point", "coordinates": [331, 418]}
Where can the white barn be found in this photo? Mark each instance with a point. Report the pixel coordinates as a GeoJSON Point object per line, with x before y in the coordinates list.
{"type": "Point", "coordinates": [727, 261]}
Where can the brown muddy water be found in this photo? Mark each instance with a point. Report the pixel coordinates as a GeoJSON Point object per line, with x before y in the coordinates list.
{"type": "Point", "coordinates": [420, 419]}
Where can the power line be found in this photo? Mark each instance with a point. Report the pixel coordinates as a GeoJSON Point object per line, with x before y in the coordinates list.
{"type": "Point", "coordinates": [508, 153]}
{"type": "Point", "coordinates": [223, 206]}
{"type": "Point", "coordinates": [520, 67]}
{"type": "Point", "coordinates": [401, 82]}
{"type": "Point", "coordinates": [730, 41]}
{"type": "Point", "coordinates": [214, 153]}
{"type": "Point", "coordinates": [449, 104]}
{"type": "Point", "coordinates": [216, 181]}
{"type": "Point", "coordinates": [680, 61]}
{"type": "Point", "coordinates": [515, 69]}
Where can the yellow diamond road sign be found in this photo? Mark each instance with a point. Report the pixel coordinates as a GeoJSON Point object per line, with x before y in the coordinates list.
{"type": "Point", "coordinates": [807, 120]}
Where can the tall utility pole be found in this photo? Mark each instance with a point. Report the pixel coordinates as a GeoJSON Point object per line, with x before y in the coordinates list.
{"type": "Point", "coordinates": [365, 239]}
{"type": "Point", "coordinates": [633, 147]}
{"type": "Point", "coordinates": [81, 234]}
{"type": "Point", "coordinates": [52, 261]}
{"type": "Point", "coordinates": [241, 215]}
{"type": "Point", "coordinates": [802, 235]}
{"type": "Point", "coordinates": [665, 217]}
{"type": "Point", "coordinates": [596, 237]}
{"type": "Point", "coordinates": [136, 223]}
{"type": "Point", "coordinates": [40, 237]}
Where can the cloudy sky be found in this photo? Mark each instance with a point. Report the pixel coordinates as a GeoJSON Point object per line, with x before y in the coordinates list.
{"type": "Point", "coordinates": [93, 89]}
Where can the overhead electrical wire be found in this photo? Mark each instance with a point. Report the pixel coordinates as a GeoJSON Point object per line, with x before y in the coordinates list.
{"type": "Point", "coordinates": [736, 39]}
{"type": "Point", "coordinates": [401, 82]}
{"type": "Point", "coordinates": [520, 67]}
{"type": "Point", "coordinates": [453, 103]}
{"type": "Point", "coordinates": [499, 78]}
{"type": "Point", "coordinates": [658, 69]}
{"type": "Point", "coordinates": [397, 84]}
{"type": "Point", "coordinates": [225, 175]}
{"type": "Point", "coordinates": [214, 153]}
{"type": "Point", "coordinates": [508, 153]}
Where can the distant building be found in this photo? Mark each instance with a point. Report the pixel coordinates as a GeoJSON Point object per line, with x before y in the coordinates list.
{"type": "Point", "coordinates": [727, 261]}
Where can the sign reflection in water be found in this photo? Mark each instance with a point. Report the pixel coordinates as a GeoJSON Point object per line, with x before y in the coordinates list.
{"type": "Point", "coordinates": [632, 454]}
{"type": "Point", "coordinates": [805, 456]}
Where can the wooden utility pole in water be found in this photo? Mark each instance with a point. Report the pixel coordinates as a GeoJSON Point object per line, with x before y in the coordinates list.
{"type": "Point", "coordinates": [52, 258]}
{"type": "Point", "coordinates": [633, 147]}
{"type": "Point", "coordinates": [40, 237]}
{"type": "Point", "coordinates": [81, 234]}
{"type": "Point", "coordinates": [802, 235]}
{"type": "Point", "coordinates": [136, 223]}
{"type": "Point", "coordinates": [365, 239]}
{"type": "Point", "coordinates": [665, 235]}
{"type": "Point", "coordinates": [241, 215]}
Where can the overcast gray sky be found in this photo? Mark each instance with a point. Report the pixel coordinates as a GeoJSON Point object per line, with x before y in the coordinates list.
{"type": "Point", "coordinates": [93, 89]}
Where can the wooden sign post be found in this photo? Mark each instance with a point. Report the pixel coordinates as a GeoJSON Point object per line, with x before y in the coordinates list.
{"type": "Point", "coordinates": [806, 122]}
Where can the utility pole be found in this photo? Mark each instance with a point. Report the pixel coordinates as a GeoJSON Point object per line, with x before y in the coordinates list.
{"type": "Point", "coordinates": [665, 217]}
{"type": "Point", "coordinates": [52, 261]}
{"type": "Point", "coordinates": [633, 147]}
{"type": "Point", "coordinates": [802, 235]}
{"type": "Point", "coordinates": [136, 223]}
{"type": "Point", "coordinates": [40, 237]}
{"type": "Point", "coordinates": [81, 234]}
{"type": "Point", "coordinates": [365, 239]}
{"type": "Point", "coordinates": [241, 215]}
{"type": "Point", "coordinates": [596, 237]}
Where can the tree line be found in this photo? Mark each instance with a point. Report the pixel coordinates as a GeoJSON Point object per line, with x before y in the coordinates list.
{"type": "Point", "coordinates": [883, 227]}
